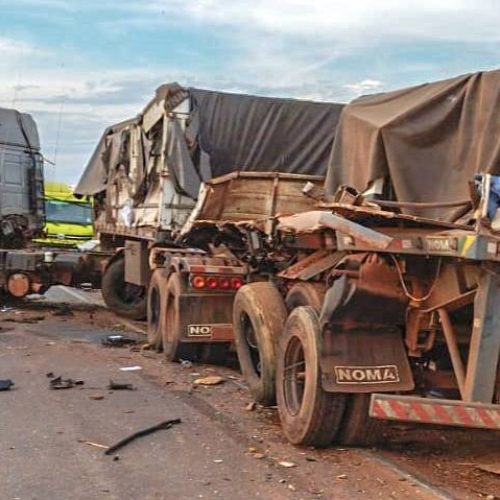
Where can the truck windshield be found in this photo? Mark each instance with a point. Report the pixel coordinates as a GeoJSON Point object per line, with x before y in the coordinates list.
{"type": "Point", "coordinates": [63, 211]}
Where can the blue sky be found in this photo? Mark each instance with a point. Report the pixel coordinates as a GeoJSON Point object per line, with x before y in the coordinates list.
{"type": "Point", "coordinates": [79, 66]}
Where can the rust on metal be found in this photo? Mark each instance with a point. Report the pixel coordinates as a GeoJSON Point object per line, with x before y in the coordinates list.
{"type": "Point", "coordinates": [316, 220]}
{"type": "Point", "coordinates": [311, 265]}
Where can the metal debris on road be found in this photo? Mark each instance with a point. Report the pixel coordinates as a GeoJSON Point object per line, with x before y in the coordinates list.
{"type": "Point", "coordinates": [6, 384]}
{"type": "Point", "coordinates": [120, 386]}
{"type": "Point", "coordinates": [118, 341]}
{"type": "Point", "coordinates": [161, 426]}
{"type": "Point", "coordinates": [64, 383]}
{"type": "Point", "coordinates": [211, 380]}
{"type": "Point", "coordinates": [131, 368]}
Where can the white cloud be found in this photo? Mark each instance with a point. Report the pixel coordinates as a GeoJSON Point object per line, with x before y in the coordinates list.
{"type": "Point", "coordinates": [365, 86]}
{"type": "Point", "coordinates": [359, 22]}
{"type": "Point", "coordinates": [11, 48]}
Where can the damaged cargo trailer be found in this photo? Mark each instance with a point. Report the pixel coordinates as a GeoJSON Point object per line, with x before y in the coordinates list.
{"type": "Point", "coordinates": [24, 267]}
{"type": "Point", "coordinates": [388, 308]}
{"type": "Point", "coordinates": [146, 176]}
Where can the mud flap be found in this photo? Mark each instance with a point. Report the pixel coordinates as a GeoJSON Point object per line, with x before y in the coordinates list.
{"type": "Point", "coordinates": [362, 348]}
{"type": "Point", "coordinates": [206, 318]}
{"type": "Point", "coordinates": [360, 361]}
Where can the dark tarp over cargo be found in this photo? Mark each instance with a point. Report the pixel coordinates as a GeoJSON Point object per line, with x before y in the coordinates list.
{"type": "Point", "coordinates": [18, 129]}
{"type": "Point", "coordinates": [233, 133]}
{"type": "Point", "coordinates": [429, 140]}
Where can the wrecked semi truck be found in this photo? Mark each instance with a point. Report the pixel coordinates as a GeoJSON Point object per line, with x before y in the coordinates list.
{"type": "Point", "coordinates": [24, 268]}
{"type": "Point", "coordinates": [389, 309]}
{"type": "Point", "coordinates": [166, 182]}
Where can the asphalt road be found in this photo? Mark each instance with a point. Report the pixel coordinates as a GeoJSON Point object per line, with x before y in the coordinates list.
{"type": "Point", "coordinates": [220, 450]}
{"type": "Point", "coordinates": [41, 456]}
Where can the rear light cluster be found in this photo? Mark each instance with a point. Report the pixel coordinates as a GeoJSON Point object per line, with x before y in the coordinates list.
{"type": "Point", "coordinates": [199, 282]}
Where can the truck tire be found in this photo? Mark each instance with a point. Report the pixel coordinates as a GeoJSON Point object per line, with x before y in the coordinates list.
{"type": "Point", "coordinates": [305, 294]}
{"type": "Point", "coordinates": [259, 314]}
{"type": "Point", "coordinates": [309, 415]}
{"type": "Point", "coordinates": [157, 296]}
{"type": "Point", "coordinates": [357, 428]}
{"type": "Point", "coordinates": [173, 348]}
{"type": "Point", "coordinates": [123, 298]}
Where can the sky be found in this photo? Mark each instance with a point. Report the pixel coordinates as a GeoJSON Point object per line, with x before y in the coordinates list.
{"type": "Point", "coordinates": [80, 65]}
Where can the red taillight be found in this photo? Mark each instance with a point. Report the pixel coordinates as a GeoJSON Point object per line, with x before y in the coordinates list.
{"type": "Point", "coordinates": [198, 282]}
{"type": "Point", "coordinates": [236, 283]}
{"type": "Point", "coordinates": [212, 282]}
{"type": "Point", "coordinates": [224, 283]}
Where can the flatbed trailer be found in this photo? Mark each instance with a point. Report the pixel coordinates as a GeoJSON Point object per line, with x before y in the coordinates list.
{"type": "Point", "coordinates": [381, 316]}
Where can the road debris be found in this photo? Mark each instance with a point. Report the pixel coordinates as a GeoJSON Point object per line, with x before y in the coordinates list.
{"type": "Point", "coordinates": [118, 341]}
{"type": "Point", "coordinates": [63, 310]}
{"type": "Point", "coordinates": [491, 468]}
{"type": "Point", "coordinates": [210, 380]}
{"type": "Point", "coordinates": [27, 320]}
{"type": "Point", "coordinates": [95, 445]}
{"type": "Point", "coordinates": [185, 363]}
{"type": "Point", "coordinates": [63, 383]}
{"type": "Point", "coordinates": [6, 384]}
{"type": "Point", "coordinates": [149, 430]}
{"type": "Point", "coordinates": [287, 464]}
{"type": "Point", "coordinates": [135, 368]}
{"type": "Point", "coordinates": [120, 386]}
{"type": "Point", "coordinates": [250, 406]}
{"type": "Point", "coordinates": [96, 397]}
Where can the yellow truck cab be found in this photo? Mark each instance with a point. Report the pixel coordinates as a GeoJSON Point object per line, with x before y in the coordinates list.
{"type": "Point", "coordinates": [68, 219]}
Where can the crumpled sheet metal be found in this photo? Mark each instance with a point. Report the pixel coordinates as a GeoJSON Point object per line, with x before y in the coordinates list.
{"type": "Point", "coordinates": [308, 222]}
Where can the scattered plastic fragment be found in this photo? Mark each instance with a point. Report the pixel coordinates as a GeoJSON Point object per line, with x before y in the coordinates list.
{"type": "Point", "coordinates": [117, 341]}
{"type": "Point", "coordinates": [6, 384]}
{"type": "Point", "coordinates": [131, 368]}
{"type": "Point", "coordinates": [63, 383]}
{"type": "Point", "coordinates": [287, 464]}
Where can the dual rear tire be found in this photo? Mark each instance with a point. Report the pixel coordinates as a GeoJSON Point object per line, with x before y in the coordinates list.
{"type": "Point", "coordinates": [309, 415]}
{"type": "Point", "coordinates": [164, 322]}
{"type": "Point", "coordinates": [280, 361]}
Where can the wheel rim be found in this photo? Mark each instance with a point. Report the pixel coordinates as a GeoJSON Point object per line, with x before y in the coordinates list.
{"type": "Point", "coordinates": [251, 342]}
{"type": "Point", "coordinates": [294, 379]}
